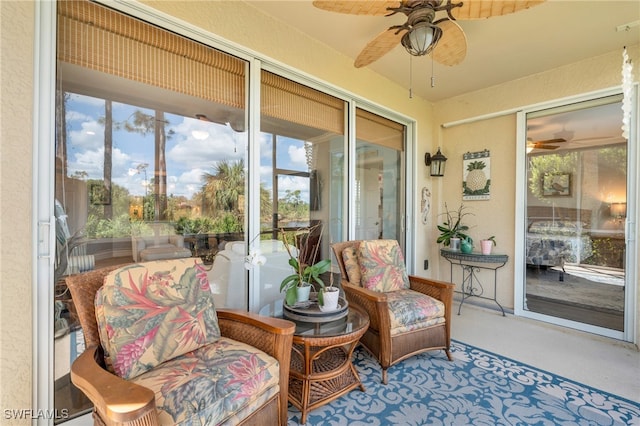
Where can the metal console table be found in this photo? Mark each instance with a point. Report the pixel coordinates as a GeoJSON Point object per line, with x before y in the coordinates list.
{"type": "Point", "coordinates": [469, 262]}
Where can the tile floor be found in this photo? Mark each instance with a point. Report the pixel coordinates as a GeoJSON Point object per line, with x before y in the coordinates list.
{"type": "Point", "coordinates": [603, 363]}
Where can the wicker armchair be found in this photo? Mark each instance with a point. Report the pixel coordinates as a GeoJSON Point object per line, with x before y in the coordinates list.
{"type": "Point", "coordinates": [387, 344]}
{"type": "Point", "coordinates": [122, 402]}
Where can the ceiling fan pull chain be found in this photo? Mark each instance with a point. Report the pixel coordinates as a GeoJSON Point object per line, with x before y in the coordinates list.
{"type": "Point", "coordinates": [410, 77]}
{"type": "Point", "coordinates": [433, 78]}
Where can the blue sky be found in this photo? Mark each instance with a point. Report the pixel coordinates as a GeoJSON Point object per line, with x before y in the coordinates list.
{"type": "Point", "coordinates": [194, 148]}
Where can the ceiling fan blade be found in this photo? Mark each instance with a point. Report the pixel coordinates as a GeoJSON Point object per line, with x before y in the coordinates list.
{"type": "Point", "coordinates": [546, 141]}
{"type": "Point", "coordinates": [487, 8]}
{"type": "Point", "coordinates": [452, 47]}
{"type": "Point", "coordinates": [378, 47]}
{"type": "Point", "coordinates": [358, 7]}
{"type": "Point", "coordinates": [542, 146]}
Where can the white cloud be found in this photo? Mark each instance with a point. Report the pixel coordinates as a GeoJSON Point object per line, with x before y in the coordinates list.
{"type": "Point", "coordinates": [294, 183]}
{"type": "Point", "coordinates": [89, 136]}
{"type": "Point", "coordinates": [222, 143]}
{"type": "Point", "coordinates": [298, 156]}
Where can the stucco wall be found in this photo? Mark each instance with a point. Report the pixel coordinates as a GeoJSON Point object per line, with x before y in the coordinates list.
{"type": "Point", "coordinates": [16, 152]}
{"type": "Point", "coordinates": [497, 215]}
{"type": "Point", "coordinates": [243, 25]}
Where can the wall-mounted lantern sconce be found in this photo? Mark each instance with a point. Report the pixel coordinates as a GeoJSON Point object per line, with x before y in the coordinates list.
{"type": "Point", "coordinates": [618, 211]}
{"type": "Point", "coordinates": [436, 162]}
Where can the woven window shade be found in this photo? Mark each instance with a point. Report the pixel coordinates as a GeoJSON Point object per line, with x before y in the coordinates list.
{"type": "Point", "coordinates": [379, 130]}
{"type": "Point", "coordinates": [287, 100]}
{"type": "Point", "coordinates": [100, 39]}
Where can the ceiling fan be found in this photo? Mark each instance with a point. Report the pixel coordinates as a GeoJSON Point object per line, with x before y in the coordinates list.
{"type": "Point", "coordinates": [544, 144]}
{"type": "Point", "coordinates": [423, 32]}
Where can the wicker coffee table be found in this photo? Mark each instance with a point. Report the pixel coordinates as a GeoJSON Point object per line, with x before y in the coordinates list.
{"type": "Point", "coordinates": [321, 367]}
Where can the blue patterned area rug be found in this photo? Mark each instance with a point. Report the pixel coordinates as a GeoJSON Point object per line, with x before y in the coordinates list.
{"type": "Point", "coordinates": [478, 388]}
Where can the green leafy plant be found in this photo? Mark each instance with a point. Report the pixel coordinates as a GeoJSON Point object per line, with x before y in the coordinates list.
{"type": "Point", "coordinates": [492, 239]}
{"type": "Point", "coordinates": [304, 274]}
{"type": "Point", "coordinates": [452, 227]}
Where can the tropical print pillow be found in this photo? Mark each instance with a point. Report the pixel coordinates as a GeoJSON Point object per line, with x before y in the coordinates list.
{"type": "Point", "coordinates": [350, 258]}
{"type": "Point", "coordinates": [382, 266]}
{"type": "Point", "coordinates": [151, 312]}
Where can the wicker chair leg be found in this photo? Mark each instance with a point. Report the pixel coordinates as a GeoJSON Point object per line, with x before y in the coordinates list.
{"type": "Point", "coordinates": [384, 376]}
{"type": "Point", "coordinates": [448, 352]}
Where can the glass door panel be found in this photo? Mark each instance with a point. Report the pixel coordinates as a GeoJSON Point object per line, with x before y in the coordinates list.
{"type": "Point", "coordinates": [379, 186]}
{"type": "Point", "coordinates": [576, 208]}
{"type": "Point", "coordinates": [143, 156]}
{"type": "Point", "coordinates": [300, 180]}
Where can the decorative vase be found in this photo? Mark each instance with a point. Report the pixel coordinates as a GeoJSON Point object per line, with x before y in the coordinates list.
{"type": "Point", "coordinates": [486, 246]}
{"type": "Point", "coordinates": [466, 247]}
{"type": "Point", "coordinates": [454, 244]}
{"type": "Point", "coordinates": [302, 292]}
{"type": "Point", "coordinates": [331, 296]}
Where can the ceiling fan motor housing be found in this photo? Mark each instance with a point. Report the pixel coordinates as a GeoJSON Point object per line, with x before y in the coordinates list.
{"type": "Point", "coordinates": [422, 35]}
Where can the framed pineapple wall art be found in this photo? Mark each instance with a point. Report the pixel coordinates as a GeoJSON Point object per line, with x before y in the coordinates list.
{"type": "Point", "coordinates": [476, 175]}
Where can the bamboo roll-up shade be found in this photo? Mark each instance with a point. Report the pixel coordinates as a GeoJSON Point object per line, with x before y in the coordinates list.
{"type": "Point", "coordinates": [379, 130]}
{"type": "Point", "coordinates": [287, 100]}
{"type": "Point", "coordinates": [100, 39]}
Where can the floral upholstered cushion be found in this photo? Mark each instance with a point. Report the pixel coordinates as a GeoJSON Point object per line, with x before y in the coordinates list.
{"type": "Point", "coordinates": [219, 383]}
{"type": "Point", "coordinates": [151, 312]}
{"type": "Point", "coordinates": [350, 258]}
{"type": "Point", "coordinates": [411, 310]}
{"type": "Point", "coordinates": [382, 266]}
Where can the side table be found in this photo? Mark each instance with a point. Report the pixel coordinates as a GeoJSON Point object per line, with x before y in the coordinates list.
{"type": "Point", "coordinates": [469, 262]}
{"type": "Point", "coordinates": [321, 368]}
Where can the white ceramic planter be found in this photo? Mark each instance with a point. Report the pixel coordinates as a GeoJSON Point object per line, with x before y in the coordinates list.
{"type": "Point", "coordinates": [330, 296]}
{"type": "Point", "coordinates": [302, 293]}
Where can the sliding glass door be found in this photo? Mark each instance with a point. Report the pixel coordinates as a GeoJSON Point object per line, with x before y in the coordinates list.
{"type": "Point", "coordinates": [576, 214]}
{"type": "Point", "coordinates": [155, 158]}
{"type": "Point", "coordinates": [150, 164]}
{"type": "Point", "coordinates": [302, 131]}
{"type": "Point", "coordinates": [379, 187]}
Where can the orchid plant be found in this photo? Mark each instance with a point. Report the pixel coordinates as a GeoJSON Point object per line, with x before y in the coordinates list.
{"type": "Point", "coordinates": [304, 274]}
{"type": "Point", "coordinates": [255, 256]}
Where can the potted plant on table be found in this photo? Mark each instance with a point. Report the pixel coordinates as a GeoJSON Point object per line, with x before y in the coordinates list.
{"type": "Point", "coordinates": [452, 230]}
{"type": "Point", "coordinates": [487, 244]}
{"type": "Point", "coordinates": [328, 296]}
{"type": "Point", "coordinates": [297, 286]}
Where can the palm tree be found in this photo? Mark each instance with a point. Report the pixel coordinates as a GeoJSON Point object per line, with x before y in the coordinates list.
{"type": "Point", "coordinates": [144, 124]}
{"type": "Point", "coordinates": [223, 188]}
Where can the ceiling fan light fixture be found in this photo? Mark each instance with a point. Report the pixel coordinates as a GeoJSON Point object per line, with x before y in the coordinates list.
{"type": "Point", "coordinates": [419, 39]}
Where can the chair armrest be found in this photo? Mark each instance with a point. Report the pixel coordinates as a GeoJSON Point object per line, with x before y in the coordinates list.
{"type": "Point", "coordinates": [440, 290]}
{"type": "Point", "coordinates": [265, 333]}
{"type": "Point", "coordinates": [373, 302]}
{"type": "Point", "coordinates": [116, 400]}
